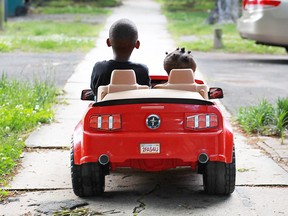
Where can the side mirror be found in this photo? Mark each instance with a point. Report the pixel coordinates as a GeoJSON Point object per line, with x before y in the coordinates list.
{"type": "Point", "coordinates": [215, 93]}
{"type": "Point", "coordinates": [87, 94]}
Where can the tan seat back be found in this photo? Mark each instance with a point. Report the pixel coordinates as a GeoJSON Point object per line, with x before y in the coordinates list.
{"type": "Point", "coordinates": [121, 80]}
{"type": "Point", "coordinates": [183, 79]}
{"type": "Point", "coordinates": [181, 76]}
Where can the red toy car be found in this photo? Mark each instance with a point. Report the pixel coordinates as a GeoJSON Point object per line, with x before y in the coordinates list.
{"type": "Point", "coordinates": [173, 124]}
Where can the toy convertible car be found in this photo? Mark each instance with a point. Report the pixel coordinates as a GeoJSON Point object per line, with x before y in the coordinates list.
{"type": "Point", "coordinates": [168, 126]}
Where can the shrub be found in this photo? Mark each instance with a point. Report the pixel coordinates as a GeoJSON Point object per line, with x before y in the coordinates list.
{"type": "Point", "coordinates": [265, 118]}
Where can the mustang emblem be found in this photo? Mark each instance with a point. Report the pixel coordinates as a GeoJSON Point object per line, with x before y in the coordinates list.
{"type": "Point", "coordinates": [153, 121]}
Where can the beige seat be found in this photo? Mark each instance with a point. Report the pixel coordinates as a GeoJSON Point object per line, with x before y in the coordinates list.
{"type": "Point", "coordinates": [121, 80]}
{"type": "Point", "coordinates": [183, 79]}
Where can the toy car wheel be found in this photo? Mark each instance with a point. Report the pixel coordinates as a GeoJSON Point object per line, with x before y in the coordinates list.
{"type": "Point", "coordinates": [219, 177]}
{"type": "Point", "coordinates": [87, 179]}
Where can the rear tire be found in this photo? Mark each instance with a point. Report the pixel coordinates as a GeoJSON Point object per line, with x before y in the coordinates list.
{"type": "Point", "coordinates": [219, 178]}
{"type": "Point", "coordinates": [87, 179]}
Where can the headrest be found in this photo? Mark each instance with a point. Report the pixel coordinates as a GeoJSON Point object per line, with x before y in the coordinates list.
{"type": "Point", "coordinates": [181, 76]}
{"type": "Point", "coordinates": [123, 77]}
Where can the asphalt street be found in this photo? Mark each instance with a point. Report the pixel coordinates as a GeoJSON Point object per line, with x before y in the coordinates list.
{"type": "Point", "coordinates": [54, 67]}
{"type": "Point", "coordinates": [245, 78]}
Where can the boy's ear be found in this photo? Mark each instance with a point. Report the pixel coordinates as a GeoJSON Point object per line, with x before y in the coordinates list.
{"type": "Point", "coordinates": [137, 44]}
{"type": "Point", "coordinates": [108, 42]}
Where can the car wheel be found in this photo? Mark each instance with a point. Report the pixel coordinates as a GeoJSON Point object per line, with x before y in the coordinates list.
{"type": "Point", "coordinates": [87, 179]}
{"type": "Point", "coordinates": [219, 177]}
{"type": "Point", "coordinates": [286, 48]}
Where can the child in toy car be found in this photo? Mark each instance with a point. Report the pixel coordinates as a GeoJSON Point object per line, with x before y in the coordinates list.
{"type": "Point", "coordinates": [152, 130]}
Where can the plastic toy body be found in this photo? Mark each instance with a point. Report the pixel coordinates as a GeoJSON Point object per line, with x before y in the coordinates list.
{"type": "Point", "coordinates": [152, 130]}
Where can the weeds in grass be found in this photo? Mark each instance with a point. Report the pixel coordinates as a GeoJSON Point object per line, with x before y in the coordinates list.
{"type": "Point", "coordinates": [24, 105]}
{"type": "Point", "coordinates": [76, 7]}
{"type": "Point", "coordinates": [281, 117]}
{"type": "Point", "coordinates": [265, 118]}
{"type": "Point", "coordinates": [3, 194]}
{"type": "Point", "coordinates": [49, 36]}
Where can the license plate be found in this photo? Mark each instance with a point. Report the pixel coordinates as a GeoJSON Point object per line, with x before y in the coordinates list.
{"type": "Point", "coordinates": [150, 148]}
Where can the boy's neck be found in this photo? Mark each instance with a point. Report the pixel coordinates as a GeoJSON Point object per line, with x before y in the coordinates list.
{"type": "Point", "coordinates": [122, 55]}
{"type": "Point", "coordinates": [121, 58]}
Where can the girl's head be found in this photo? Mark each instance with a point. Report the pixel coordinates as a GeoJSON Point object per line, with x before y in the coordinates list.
{"type": "Point", "coordinates": [179, 59]}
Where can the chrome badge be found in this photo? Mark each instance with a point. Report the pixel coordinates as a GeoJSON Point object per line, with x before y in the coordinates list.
{"type": "Point", "coordinates": [153, 121]}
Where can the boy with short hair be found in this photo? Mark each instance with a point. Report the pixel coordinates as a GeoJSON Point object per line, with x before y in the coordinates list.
{"type": "Point", "coordinates": [123, 38]}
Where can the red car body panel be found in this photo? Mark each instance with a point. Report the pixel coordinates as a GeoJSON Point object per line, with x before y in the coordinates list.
{"type": "Point", "coordinates": [179, 145]}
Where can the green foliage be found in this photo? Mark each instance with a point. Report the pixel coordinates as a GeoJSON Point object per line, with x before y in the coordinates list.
{"type": "Point", "coordinates": [50, 28]}
{"type": "Point", "coordinates": [49, 36]}
{"type": "Point", "coordinates": [73, 10]}
{"type": "Point", "coordinates": [24, 105]}
{"type": "Point", "coordinates": [3, 194]}
{"type": "Point", "coordinates": [265, 118]}
{"type": "Point", "coordinates": [187, 5]}
{"type": "Point", "coordinates": [77, 6]}
{"type": "Point", "coordinates": [281, 117]}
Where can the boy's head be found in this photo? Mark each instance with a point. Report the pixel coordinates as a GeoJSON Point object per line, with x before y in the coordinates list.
{"type": "Point", "coordinates": [123, 37]}
{"type": "Point", "coordinates": [179, 59]}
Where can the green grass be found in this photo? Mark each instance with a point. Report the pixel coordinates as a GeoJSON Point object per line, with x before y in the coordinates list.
{"type": "Point", "coordinates": [76, 7]}
{"type": "Point", "coordinates": [48, 28]}
{"type": "Point", "coordinates": [24, 105]}
{"type": "Point", "coordinates": [73, 10]}
{"type": "Point", "coordinates": [265, 118]}
{"type": "Point", "coordinates": [57, 36]}
{"type": "Point", "coordinates": [191, 22]}
{"type": "Point", "coordinates": [48, 36]}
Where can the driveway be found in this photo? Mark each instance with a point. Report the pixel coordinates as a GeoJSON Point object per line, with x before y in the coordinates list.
{"type": "Point", "coordinates": [55, 67]}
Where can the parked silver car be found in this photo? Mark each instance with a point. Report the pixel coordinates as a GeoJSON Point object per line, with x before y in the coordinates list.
{"type": "Point", "coordinates": [265, 21]}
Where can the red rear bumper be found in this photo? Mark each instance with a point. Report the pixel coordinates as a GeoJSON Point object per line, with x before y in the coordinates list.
{"type": "Point", "coordinates": [181, 149]}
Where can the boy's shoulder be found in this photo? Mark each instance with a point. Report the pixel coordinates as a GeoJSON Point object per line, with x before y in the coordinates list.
{"type": "Point", "coordinates": [104, 62]}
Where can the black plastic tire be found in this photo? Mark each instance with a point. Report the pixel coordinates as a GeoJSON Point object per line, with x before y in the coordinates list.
{"type": "Point", "coordinates": [219, 178]}
{"type": "Point", "coordinates": [87, 179]}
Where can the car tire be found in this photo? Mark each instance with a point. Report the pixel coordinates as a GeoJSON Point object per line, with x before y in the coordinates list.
{"type": "Point", "coordinates": [219, 178]}
{"type": "Point", "coordinates": [87, 179]}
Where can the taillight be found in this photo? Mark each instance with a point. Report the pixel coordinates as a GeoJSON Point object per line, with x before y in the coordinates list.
{"type": "Point", "coordinates": [252, 4]}
{"type": "Point", "coordinates": [106, 122]}
{"type": "Point", "coordinates": [201, 121]}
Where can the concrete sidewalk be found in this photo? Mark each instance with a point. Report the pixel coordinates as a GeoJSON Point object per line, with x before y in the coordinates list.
{"type": "Point", "coordinates": [46, 166]}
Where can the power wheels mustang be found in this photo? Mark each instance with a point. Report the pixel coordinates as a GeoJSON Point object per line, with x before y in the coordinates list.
{"type": "Point", "coordinates": [171, 125]}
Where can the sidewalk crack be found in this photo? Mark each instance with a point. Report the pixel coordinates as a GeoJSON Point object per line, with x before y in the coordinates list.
{"type": "Point", "coordinates": [142, 206]}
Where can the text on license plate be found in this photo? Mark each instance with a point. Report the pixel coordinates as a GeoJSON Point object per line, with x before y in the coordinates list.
{"type": "Point", "coordinates": [150, 148]}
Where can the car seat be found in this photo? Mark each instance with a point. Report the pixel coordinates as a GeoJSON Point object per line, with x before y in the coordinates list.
{"type": "Point", "coordinates": [121, 80]}
{"type": "Point", "coordinates": [183, 79]}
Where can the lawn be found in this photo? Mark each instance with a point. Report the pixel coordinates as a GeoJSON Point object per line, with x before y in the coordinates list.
{"type": "Point", "coordinates": [189, 29]}
{"type": "Point", "coordinates": [59, 35]}
{"type": "Point", "coordinates": [24, 106]}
